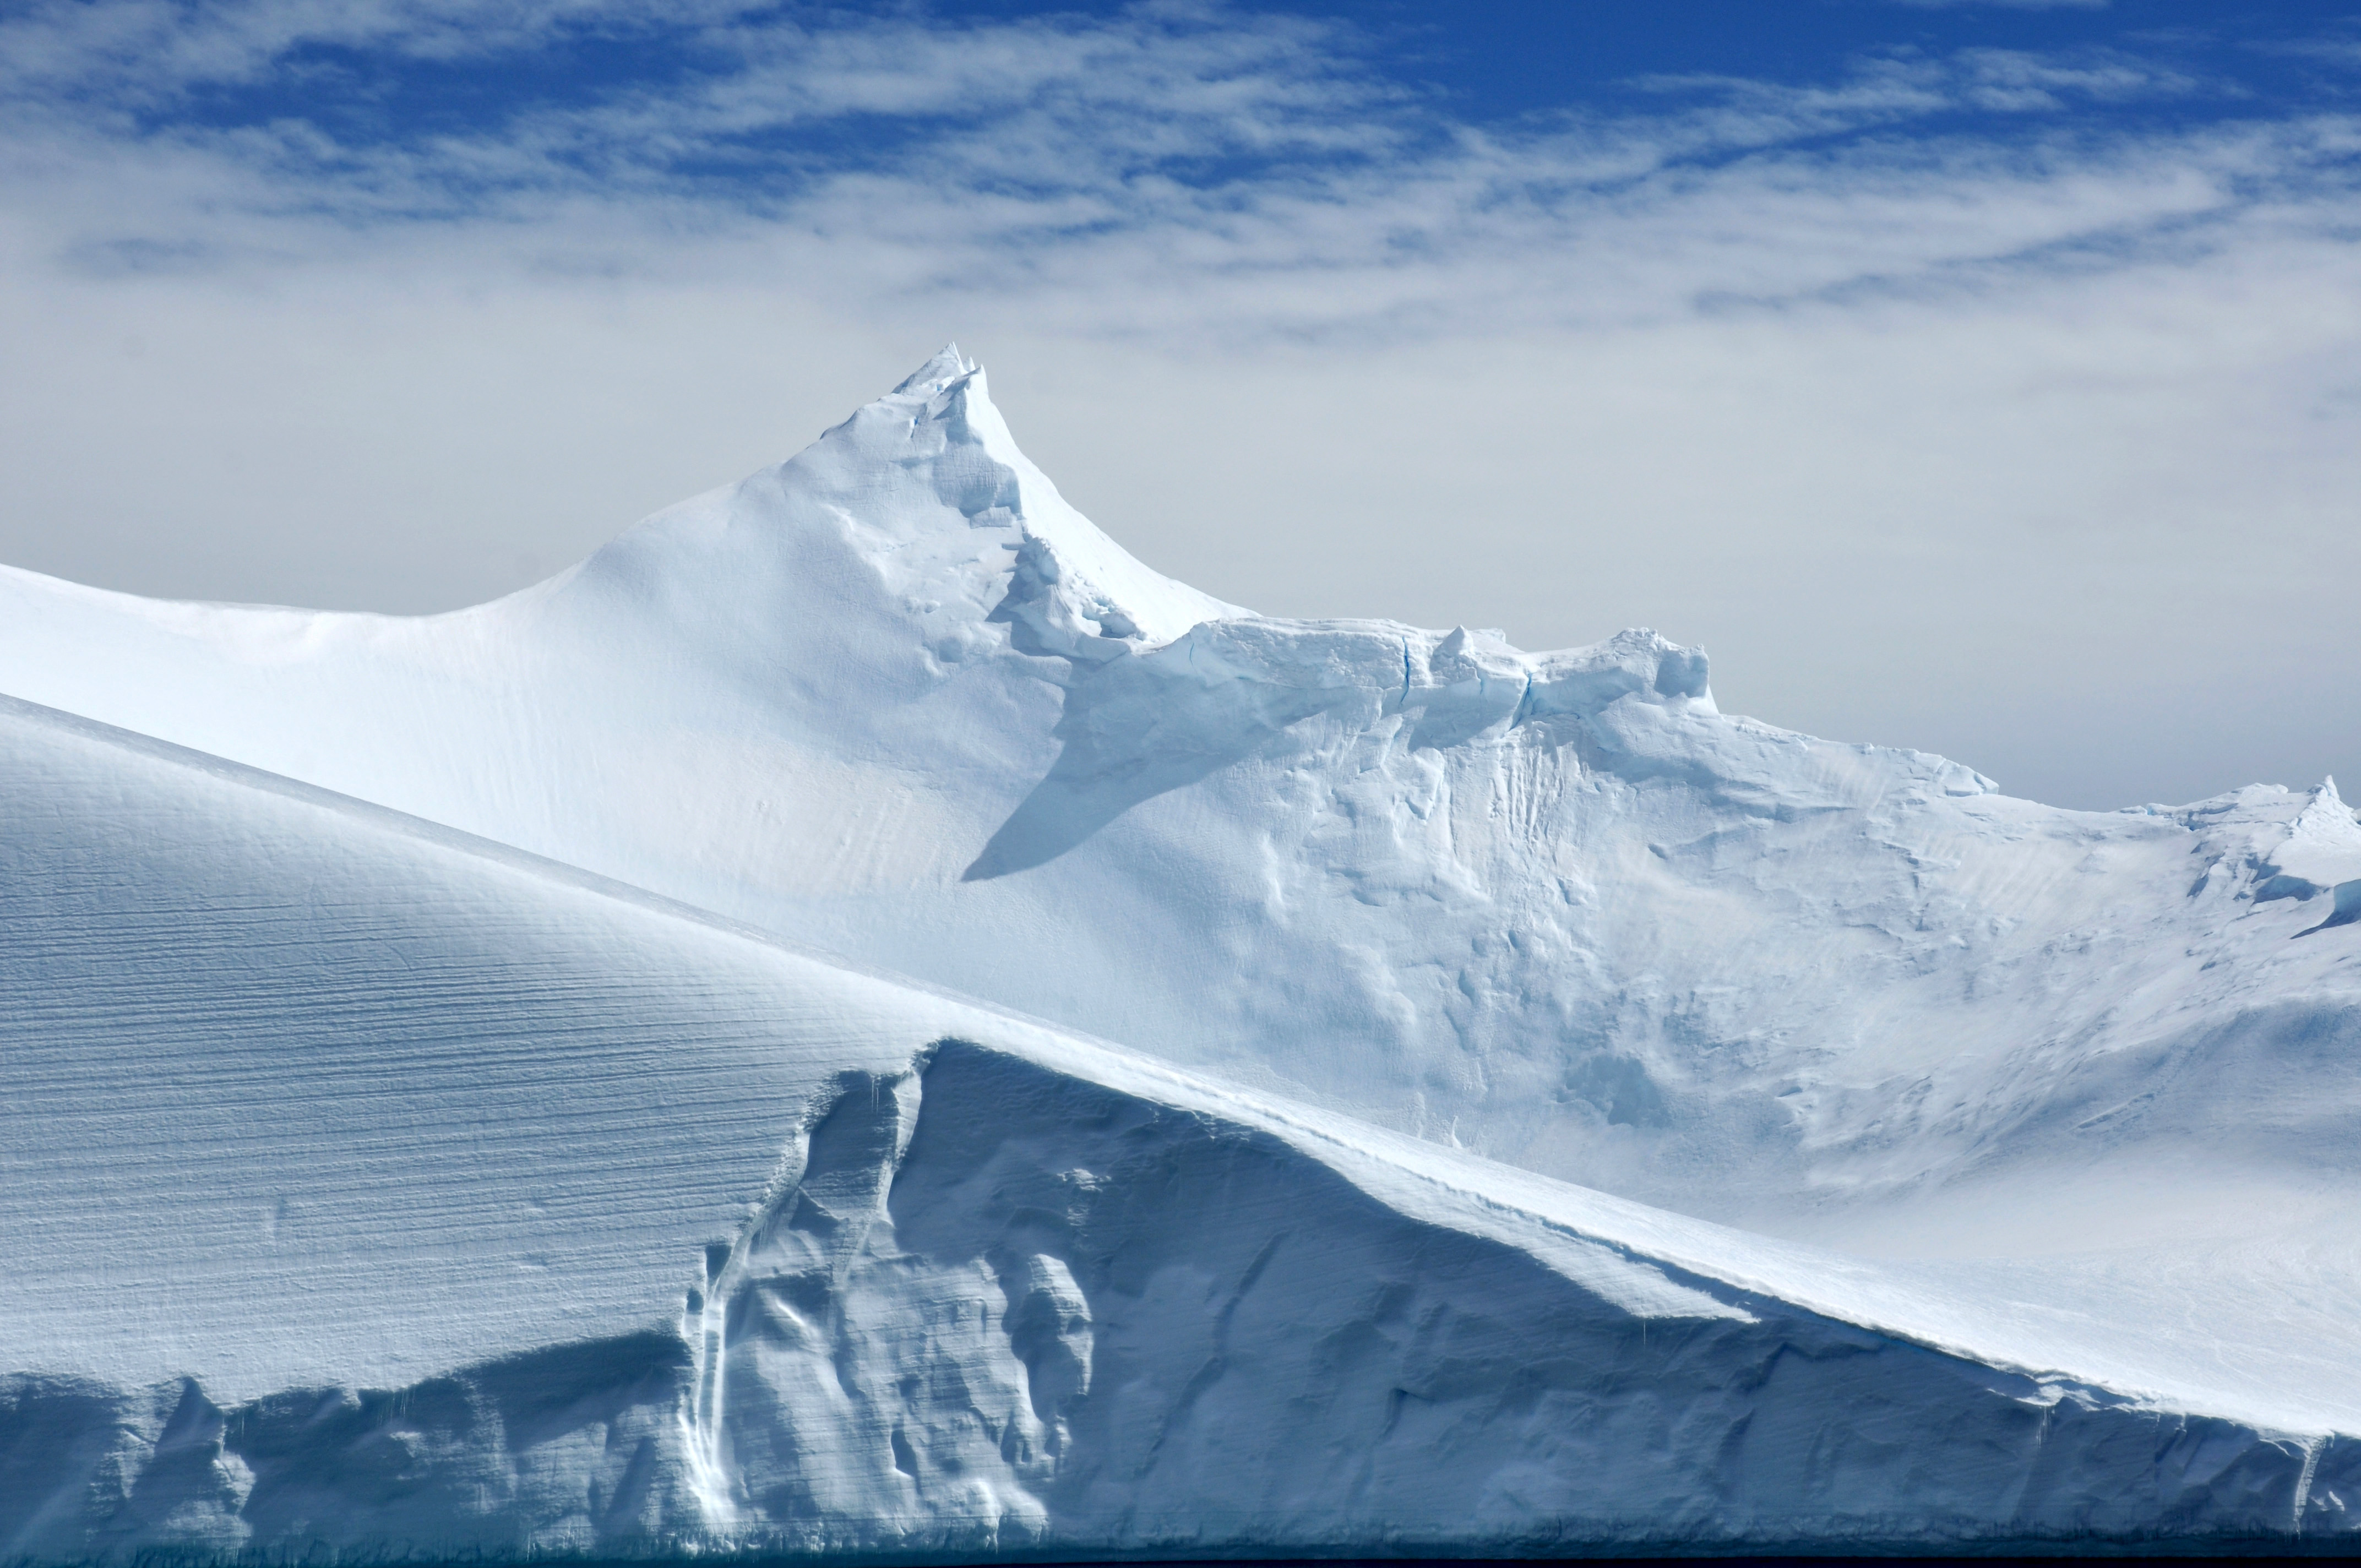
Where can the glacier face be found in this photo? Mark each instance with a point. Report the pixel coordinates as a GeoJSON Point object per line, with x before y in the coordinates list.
{"type": "Point", "coordinates": [477, 1083]}
{"type": "Point", "coordinates": [382, 1190]}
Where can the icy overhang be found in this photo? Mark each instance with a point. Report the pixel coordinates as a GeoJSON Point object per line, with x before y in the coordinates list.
{"type": "Point", "coordinates": [2321, 855]}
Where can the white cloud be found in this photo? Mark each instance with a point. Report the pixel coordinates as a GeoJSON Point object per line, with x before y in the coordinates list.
{"type": "Point", "coordinates": [1942, 439]}
{"type": "Point", "coordinates": [151, 51]}
{"type": "Point", "coordinates": [1246, 172]}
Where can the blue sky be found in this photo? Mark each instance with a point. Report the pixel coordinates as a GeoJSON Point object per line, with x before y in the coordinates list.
{"type": "Point", "coordinates": [382, 70]}
{"type": "Point", "coordinates": [1977, 376]}
{"type": "Point", "coordinates": [381, 110]}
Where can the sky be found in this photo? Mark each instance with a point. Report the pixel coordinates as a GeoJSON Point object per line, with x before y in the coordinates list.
{"type": "Point", "coordinates": [1979, 377]}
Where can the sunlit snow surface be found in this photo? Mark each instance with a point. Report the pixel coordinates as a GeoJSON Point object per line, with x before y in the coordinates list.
{"type": "Point", "coordinates": [465, 1088]}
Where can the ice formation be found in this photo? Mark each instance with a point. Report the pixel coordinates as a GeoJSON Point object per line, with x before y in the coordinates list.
{"type": "Point", "coordinates": [625, 1068]}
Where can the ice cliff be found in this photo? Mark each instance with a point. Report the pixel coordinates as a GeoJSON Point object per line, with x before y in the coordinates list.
{"type": "Point", "coordinates": [622, 1067]}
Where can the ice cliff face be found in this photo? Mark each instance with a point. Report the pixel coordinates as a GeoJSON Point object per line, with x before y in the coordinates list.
{"type": "Point", "coordinates": [2084, 1082]}
{"type": "Point", "coordinates": [375, 1189]}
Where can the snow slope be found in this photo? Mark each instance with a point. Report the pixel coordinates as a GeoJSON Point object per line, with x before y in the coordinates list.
{"type": "Point", "coordinates": [375, 1189]}
{"type": "Point", "coordinates": [895, 698]}
{"type": "Point", "coordinates": [309, 1097]}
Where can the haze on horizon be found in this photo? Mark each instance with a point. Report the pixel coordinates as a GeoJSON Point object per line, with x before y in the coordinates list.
{"type": "Point", "coordinates": [1976, 378]}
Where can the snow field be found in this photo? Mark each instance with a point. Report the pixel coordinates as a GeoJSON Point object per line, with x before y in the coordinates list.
{"type": "Point", "coordinates": [515, 1080]}
{"type": "Point", "coordinates": [308, 1100]}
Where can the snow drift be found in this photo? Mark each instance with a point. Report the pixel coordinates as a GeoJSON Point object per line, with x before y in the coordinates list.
{"type": "Point", "coordinates": [477, 1083]}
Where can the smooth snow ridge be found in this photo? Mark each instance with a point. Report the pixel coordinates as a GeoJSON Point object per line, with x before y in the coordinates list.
{"type": "Point", "coordinates": [896, 699]}
{"type": "Point", "coordinates": [382, 1190]}
{"type": "Point", "coordinates": [530, 1013]}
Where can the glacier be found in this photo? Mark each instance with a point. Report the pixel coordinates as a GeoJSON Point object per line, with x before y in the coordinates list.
{"type": "Point", "coordinates": [864, 1019]}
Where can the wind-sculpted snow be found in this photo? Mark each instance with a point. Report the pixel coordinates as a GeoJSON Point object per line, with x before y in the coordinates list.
{"type": "Point", "coordinates": [491, 1096]}
{"type": "Point", "coordinates": [375, 1189]}
{"type": "Point", "coordinates": [895, 698]}
{"type": "Point", "coordinates": [1005, 1294]}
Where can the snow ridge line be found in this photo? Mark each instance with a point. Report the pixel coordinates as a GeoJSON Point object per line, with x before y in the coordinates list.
{"type": "Point", "coordinates": [1394, 1154]}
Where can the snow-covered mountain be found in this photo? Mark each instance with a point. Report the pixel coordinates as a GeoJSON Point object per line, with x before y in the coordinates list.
{"type": "Point", "coordinates": [555, 1016]}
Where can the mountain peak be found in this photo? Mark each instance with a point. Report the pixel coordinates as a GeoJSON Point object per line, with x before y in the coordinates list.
{"type": "Point", "coordinates": [948, 366]}
{"type": "Point", "coordinates": [939, 488]}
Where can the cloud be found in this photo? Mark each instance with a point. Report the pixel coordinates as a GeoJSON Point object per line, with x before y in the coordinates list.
{"type": "Point", "coordinates": [157, 51]}
{"type": "Point", "coordinates": [1929, 394]}
{"type": "Point", "coordinates": [1253, 165]}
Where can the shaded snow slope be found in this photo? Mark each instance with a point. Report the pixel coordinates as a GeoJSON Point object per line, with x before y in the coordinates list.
{"type": "Point", "coordinates": [896, 699]}
{"type": "Point", "coordinates": [371, 1187]}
